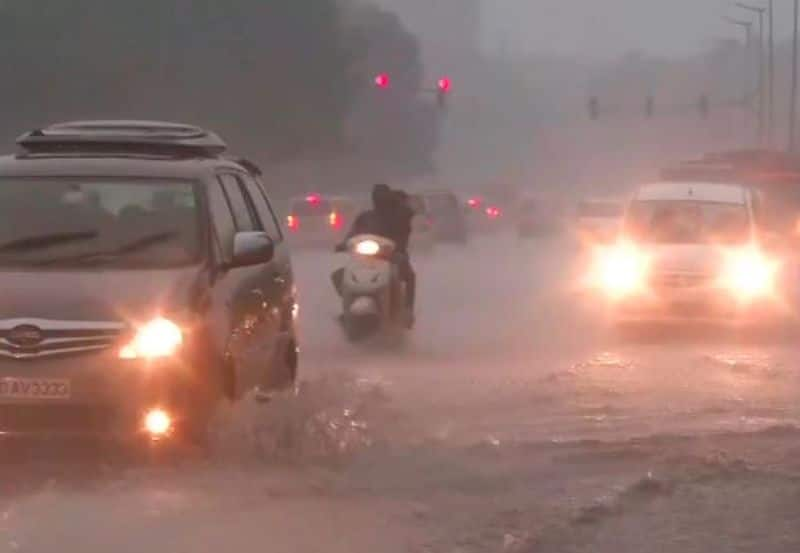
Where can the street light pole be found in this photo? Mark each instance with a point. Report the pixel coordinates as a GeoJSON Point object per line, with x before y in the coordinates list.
{"type": "Point", "coordinates": [748, 27]}
{"type": "Point", "coordinates": [793, 101]}
{"type": "Point", "coordinates": [771, 93]}
{"type": "Point", "coordinates": [761, 80]}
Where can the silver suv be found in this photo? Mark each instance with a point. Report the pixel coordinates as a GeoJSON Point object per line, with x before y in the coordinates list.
{"type": "Point", "coordinates": [145, 278]}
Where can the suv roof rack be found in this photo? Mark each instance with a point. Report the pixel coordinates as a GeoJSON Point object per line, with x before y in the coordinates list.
{"type": "Point", "coordinates": [141, 137]}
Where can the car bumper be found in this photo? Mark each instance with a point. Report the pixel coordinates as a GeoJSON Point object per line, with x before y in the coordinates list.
{"type": "Point", "coordinates": [105, 395]}
{"type": "Point", "coordinates": [704, 308]}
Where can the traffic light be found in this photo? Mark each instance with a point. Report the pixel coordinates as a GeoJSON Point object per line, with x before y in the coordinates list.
{"type": "Point", "coordinates": [382, 80]}
{"type": "Point", "coordinates": [650, 107]}
{"type": "Point", "coordinates": [443, 87]}
{"type": "Point", "coordinates": [703, 107]}
{"type": "Point", "coordinates": [594, 108]}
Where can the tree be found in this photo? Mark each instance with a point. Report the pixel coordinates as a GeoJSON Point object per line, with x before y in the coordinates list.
{"type": "Point", "coordinates": [398, 125]}
{"type": "Point", "coordinates": [273, 77]}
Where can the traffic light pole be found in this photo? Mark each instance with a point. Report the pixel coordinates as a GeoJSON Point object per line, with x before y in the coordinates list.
{"type": "Point", "coordinates": [771, 78]}
{"type": "Point", "coordinates": [793, 98]}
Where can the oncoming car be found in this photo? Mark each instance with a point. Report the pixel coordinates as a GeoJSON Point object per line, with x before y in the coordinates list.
{"type": "Point", "coordinates": [146, 280]}
{"type": "Point", "coordinates": [690, 251]}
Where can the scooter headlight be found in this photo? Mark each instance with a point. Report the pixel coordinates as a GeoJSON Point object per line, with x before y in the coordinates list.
{"type": "Point", "coordinates": [157, 339]}
{"type": "Point", "coordinates": [367, 247]}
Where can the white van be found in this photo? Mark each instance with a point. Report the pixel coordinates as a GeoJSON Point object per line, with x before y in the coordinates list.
{"type": "Point", "coordinates": [690, 251]}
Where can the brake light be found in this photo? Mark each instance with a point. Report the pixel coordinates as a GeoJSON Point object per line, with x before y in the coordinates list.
{"type": "Point", "coordinates": [334, 220]}
{"type": "Point", "coordinates": [313, 199]}
{"type": "Point", "coordinates": [292, 222]}
{"type": "Point", "coordinates": [493, 212]}
{"type": "Point", "coordinates": [474, 203]}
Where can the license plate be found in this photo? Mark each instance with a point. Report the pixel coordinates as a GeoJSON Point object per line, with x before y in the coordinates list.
{"type": "Point", "coordinates": [34, 388]}
{"type": "Point", "coordinates": [689, 309]}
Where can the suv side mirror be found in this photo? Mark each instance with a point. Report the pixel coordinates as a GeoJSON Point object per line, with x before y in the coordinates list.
{"type": "Point", "coordinates": [251, 248]}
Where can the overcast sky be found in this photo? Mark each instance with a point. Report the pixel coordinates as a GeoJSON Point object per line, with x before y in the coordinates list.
{"type": "Point", "coordinates": [604, 28]}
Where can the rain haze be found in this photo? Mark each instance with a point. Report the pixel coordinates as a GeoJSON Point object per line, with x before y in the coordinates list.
{"type": "Point", "coordinates": [603, 30]}
{"type": "Point", "coordinates": [398, 276]}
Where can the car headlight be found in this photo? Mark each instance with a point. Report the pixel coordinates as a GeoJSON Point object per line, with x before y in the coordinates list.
{"type": "Point", "coordinates": [622, 270]}
{"type": "Point", "coordinates": [749, 274]}
{"type": "Point", "coordinates": [368, 247]}
{"type": "Point", "coordinates": [156, 339]}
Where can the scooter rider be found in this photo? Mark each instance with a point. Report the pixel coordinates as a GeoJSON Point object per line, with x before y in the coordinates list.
{"type": "Point", "coordinates": [390, 217]}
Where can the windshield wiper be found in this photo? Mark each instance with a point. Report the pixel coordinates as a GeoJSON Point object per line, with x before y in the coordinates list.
{"type": "Point", "coordinates": [139, 244]}
{"type": "Point", "coordinates": [43, 241]}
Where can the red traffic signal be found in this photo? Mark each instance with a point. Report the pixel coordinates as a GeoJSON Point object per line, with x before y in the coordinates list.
{"type": "Point", "coordinates": [442, 90]}
{"type": "Point", "coordinates": [382, 80]}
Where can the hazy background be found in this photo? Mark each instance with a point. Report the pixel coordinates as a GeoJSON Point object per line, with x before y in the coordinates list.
{"type": "Point", "coordinates": [524, 69]}
{"type": "Point", "coordinates": [610, 28]}
{"type": "Point", "coordinates": [289, 83]}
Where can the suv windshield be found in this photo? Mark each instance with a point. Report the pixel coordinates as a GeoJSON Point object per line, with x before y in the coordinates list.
{"type": "Point", "coordinates": [140, 223]}
{"type": "Point", "coordinates": [687, 222]}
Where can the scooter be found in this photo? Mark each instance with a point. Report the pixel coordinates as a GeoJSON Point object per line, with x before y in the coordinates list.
{"type": "Point", "coordinates": [373, 295]}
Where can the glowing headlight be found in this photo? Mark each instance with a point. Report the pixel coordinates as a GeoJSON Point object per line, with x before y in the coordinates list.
{"type": "Point", "coordinates": [157, 423]}
{"type": "Point", "coordinates": [622, 270]}
{"type": "Point", "coordinates": [368, 247]}
{"type": "Point", "coordinates": [749, 274]}
{"type": "Point", "coordinates": [158, 338]}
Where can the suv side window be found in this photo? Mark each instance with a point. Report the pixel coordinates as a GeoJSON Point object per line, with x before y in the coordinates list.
{"type": "Point", "coordinates": [224, 225]}
{"type": "Point", "coordinates": [263, 208]}
{"type": "Point", "coordinates": [243, 214]}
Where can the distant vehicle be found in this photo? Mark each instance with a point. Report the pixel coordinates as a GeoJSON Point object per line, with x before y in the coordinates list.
{"type": "Point", "coordinates": [447, 216]}
{"type": "Point", "coordinates": [483, 215]}
{"type": "Point", "coordinates": [423, 237]}
{"type": "Point", "coordinates": [535, 217]}
{"type": "Point", "coordinates": [318, 220]}
{"type": "Point", "coordinates": [690, 251]}
{"type": "Point", "coordinates": [150, 281]}
{"type": "Point", "coordinates": [598, 219]}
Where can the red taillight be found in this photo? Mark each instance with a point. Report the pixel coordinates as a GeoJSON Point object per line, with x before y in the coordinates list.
{"type": "Point", "coordinates": [335, 220]}
{"type": "Point", "coordinates": [382, 80]}
{"type": "Point", "coordinates": [493, 212]}
{"type": "Point", "coordinates": [474, 203]}
{"type": "Point", "coordinates": [313, 199]}
{"type": "Point", "coordinates": [292, 222]}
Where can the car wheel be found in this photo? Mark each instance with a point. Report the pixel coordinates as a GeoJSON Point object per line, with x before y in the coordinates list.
{"type": "Point", "coordinates": [285, 375]}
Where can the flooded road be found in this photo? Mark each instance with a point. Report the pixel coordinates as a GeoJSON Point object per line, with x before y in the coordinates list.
{"type": "Point", "coordinates": [511, 420]}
